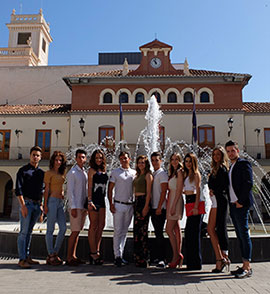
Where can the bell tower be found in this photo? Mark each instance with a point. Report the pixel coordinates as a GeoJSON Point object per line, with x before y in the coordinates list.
{"type": "Point", "coordinates": [29, 40]}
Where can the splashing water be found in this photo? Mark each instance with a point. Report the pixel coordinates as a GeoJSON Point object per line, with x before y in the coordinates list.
{"type": "Point", "coordinates": [148, 142]}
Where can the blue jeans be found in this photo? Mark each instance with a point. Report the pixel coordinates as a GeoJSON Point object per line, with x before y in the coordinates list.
{"type": "Point", "coordinates": [27, 224]}
{"type": "Point", "coordinates": [240, 221]}
{"type": "Point", "coordinates": [55, 214]}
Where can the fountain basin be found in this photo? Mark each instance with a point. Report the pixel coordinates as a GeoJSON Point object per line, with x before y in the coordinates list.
{"type": "Point", "coordinates": [9, 233]}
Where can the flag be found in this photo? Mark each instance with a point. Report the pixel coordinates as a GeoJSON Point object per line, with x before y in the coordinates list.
{"type": "Point", "coordinates": [194, 122]}
{"type": "Point", "coordinates": [121, 120]}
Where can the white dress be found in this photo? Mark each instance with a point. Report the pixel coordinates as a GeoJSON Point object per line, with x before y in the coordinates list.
{"type": "Point", "coordinates": [179, 204]}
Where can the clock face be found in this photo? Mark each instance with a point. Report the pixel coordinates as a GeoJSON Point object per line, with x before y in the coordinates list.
{"type": "Point", "coordinates": [155, 62]}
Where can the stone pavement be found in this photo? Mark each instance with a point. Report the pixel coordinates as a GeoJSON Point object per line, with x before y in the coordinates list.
{"type": "Point", "coordinates": [129, 279]}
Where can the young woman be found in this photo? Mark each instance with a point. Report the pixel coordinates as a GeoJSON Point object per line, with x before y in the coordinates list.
{"type": "Point", "coordinates": [175, 209]}
{"type": "Point", "coordinates": [192, 182]}
{"type": "Point", "coordinates": [217, 228]}
{"type": "Point", "coordinates": [54, 206]}
{"type": "Point", "coordinates": [142, 189]}
{"type": "Point", "coordinates": [97, 182]}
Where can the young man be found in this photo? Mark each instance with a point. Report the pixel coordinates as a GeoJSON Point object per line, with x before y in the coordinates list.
{"type": "Point", "coordinates": [241, 182]}
{"type": "Point", "coordinates": [77, 197]}
{"type": "Point", "coordinates": [121, 205]}
{"type": "Point", "coordinates": [158, 205]}
{"type": "Point", "coordinates": [29, 190]}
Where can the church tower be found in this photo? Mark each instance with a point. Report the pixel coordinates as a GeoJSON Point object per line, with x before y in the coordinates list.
{"type": "Point", "coordinates": [29, 41]}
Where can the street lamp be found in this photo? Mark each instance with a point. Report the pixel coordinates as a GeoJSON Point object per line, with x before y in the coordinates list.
{"type": "Point", "coordinates": [81, 122]}
{"type": "Point", "coordinates": [230, 125]}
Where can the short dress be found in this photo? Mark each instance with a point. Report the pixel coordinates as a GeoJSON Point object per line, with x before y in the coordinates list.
{"type": "Point", "coordinates": [99, 189]}
{"type": "Point", "coordinates": [179, 204]}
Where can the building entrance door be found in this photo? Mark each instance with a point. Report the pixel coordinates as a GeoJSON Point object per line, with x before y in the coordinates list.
{"type": "Point", "coordinates": [267, 142]}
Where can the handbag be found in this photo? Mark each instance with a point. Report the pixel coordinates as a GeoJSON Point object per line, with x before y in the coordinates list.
{"type": "Point", "coordinates": [190, 206]}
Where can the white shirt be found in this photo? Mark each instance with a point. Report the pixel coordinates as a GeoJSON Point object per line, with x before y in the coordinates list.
{"type": "Point", "coordinates": [123, 179]}
{"type": "Point", "coordinates": [77, 187]}
{"type": "Point", "coordinates": [160, 177]}
{"type": "Point", "coordinates": [232, 194]}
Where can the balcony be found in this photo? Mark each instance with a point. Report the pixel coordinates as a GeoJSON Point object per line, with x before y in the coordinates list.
{"type": "Point", "coordinates": [10, 55]}
{"type": "Point", "coordinates": [21, 154]}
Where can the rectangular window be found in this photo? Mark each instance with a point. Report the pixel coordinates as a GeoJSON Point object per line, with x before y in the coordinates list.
{"type": "Point", "coordinates": [44, 45]}
{"type": "Point", "coordinates": [267, 142]}
{"type": "Point", "coordinates": [4, 144]}
{"type": "Point", "coordinates": [43, 140]}
{"type": "Point", "coordinates": [104, 133]}
{"type": "Point", "coordinates": [162, 137]}
{"type": "Point", "coordinates": [207, 136]}
{"type": "Point", "coordinates": [23, 37]}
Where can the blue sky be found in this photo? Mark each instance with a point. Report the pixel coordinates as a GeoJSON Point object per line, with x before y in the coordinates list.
{"type": "Point", "coordinates": [230, 36]}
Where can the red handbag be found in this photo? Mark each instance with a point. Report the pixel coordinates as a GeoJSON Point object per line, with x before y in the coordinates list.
{"type": "Point", "coordinates": [190, 206]}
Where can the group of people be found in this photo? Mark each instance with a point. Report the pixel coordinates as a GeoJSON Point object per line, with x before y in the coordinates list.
{"type": "Point", "coordinates": [144, 194]}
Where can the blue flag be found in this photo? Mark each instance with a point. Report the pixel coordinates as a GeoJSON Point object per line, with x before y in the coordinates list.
{"type": "Point", "coordinates": [121, 121]}
{"type": "Point", "coordinates": [194, 122]}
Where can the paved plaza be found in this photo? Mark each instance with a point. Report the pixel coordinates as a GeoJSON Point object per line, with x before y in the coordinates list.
{"type": "Point", "coordinates": [129, 279]}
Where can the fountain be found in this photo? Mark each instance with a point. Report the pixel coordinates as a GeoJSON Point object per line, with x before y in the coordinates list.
{"type": "Point", "coordinates": [148, 142]}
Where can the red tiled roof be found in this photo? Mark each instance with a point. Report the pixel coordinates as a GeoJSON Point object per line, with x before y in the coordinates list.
{"type": "Point", "coordinates": [34, 109]}
{"type": "Point", "coordinates": [256, 107]}
{"type": "Point", "coordinates": [180, 73]}
{"type": "Point", "coordinates": [248, 107]}
{"type": "Point", "coordinates": [156, 44]}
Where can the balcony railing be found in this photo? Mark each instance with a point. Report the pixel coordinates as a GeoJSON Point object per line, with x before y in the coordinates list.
{"type": "Point", "coordinates": [18, 153]}
{"type": "Point", "coordinates": [256, 151]}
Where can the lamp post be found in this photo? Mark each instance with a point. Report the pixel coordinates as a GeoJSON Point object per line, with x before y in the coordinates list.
{"type": "Point", "coordinates": [230, 125]}
{"type": "Point", "coordinates": [258, 131]}
{"type": "Point", "coordinates": [82, 122]}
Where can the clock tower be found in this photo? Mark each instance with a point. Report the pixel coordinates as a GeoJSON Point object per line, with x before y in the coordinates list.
{"type": "Point", "coordinates": [155, 59]}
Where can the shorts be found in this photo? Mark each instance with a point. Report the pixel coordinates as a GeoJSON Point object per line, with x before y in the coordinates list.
{"type": "Point", "coordinates": [214, 201]}
{"type": "Point", "coordinates": [77, 223]}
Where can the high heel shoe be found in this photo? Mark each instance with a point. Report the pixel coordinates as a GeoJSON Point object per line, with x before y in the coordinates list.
{"type": "Point", "coordinates": [95, 259]}
{"type": "Point", "coordinates": [179, 261]}
{"type": "Point", "coordinates": [228, 263]}
{"type": "Point", "coordinates": [219, 270]}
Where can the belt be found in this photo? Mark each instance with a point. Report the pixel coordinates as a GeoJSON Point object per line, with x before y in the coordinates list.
{"type": "Point", "coordinates": [31, 200]}
{"type": "Point", "coordinates": [121, 202]}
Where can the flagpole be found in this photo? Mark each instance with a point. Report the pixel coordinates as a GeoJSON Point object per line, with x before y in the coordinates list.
{"type": "Point", "coordinates": [121, 123]}
{"type": "Point", "coordinates": [194, 120]}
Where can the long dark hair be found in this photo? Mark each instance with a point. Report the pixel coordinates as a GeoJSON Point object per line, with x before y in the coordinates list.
{"type": "Point", "coordinates": [147, 165]}
{"type": "Point", "coordinates": [172, 171]}
{"type": "Point", "coordinates": [92, 161]}
{"type": "Point", "coordinates": [63, 165]}
{"type": "Point", "coordinates": [194, 169]}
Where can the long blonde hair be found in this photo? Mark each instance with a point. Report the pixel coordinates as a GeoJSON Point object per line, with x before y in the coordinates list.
{"type": "Point", "coordinates": [172, 171]}
{"type": "Point", "coordinates": [223, 162]}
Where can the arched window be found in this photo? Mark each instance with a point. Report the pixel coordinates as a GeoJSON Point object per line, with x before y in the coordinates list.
{"type": "Point", "coordinates": [188, 97]}
{"type": "Point", "coordinates": [204, 97]}
{"type": "Point", "coordinates": [123, 97]}
{"type": "Point", "coordinates": [157, 96]}
{"type": "Point", "coordinates": [139, 98]}
{"type": "Point", "coordinates": [172, 98]}
{"type": "Point", "coordinates": [107, 98]}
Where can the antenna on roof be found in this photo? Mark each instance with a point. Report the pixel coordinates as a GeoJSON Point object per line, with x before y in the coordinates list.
{"type": "Point", "coordinates": [155, 36]}
{"type": "Point", "coordinates": [6, 101]}
{"type": "Point", "coordinates": [39, 101]}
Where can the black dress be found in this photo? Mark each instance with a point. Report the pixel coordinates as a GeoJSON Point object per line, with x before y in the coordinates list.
{"type": "Point", "coordinates": [219, 183]}
{"type": "Point", "coordinates": [99, 189]}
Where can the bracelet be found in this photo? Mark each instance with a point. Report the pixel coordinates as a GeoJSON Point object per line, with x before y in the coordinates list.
{"type": "Point", "coordinates": [90, 201]}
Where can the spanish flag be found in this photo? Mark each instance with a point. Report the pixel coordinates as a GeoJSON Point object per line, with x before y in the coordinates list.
{"type": "Point", "coordinates": [121, 121]}
{"type": "Point", "coordinates": [194, 121]}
